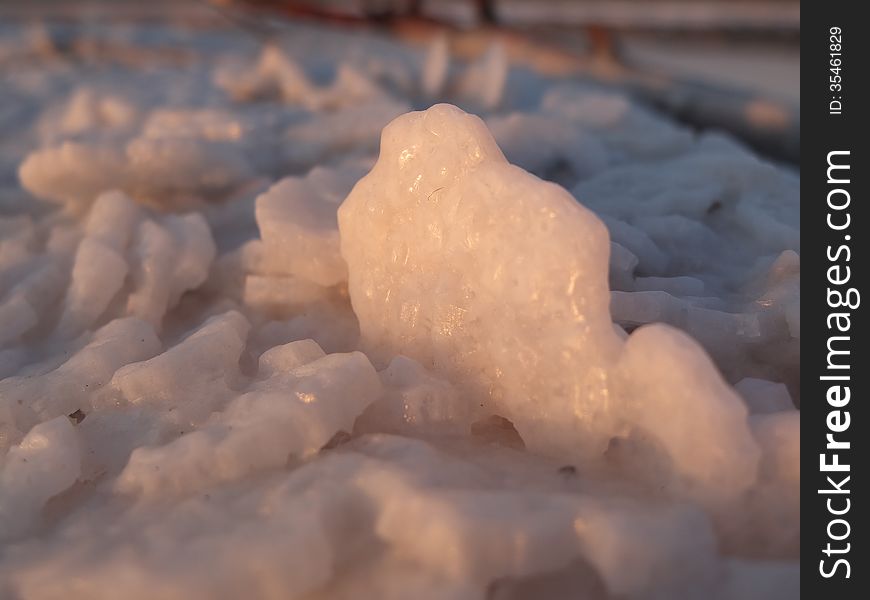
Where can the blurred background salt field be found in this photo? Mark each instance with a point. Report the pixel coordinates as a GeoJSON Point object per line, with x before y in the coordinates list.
{"type": "Point", "coordinates": [725, 63]}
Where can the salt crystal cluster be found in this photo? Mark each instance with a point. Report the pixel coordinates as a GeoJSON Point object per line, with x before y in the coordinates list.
{"type": "Point", "coordinates": [498, 281]}
{"type": "Point", "coordinates": [257, 344]}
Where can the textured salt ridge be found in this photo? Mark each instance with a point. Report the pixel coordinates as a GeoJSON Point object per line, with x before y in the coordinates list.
{"type": "Point", "coordinates": [186, 434]}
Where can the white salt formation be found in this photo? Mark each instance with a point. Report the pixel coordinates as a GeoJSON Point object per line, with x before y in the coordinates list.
{"type": "Point", "coordinates": [251, 346]}
{"type": "Point", "coordinates": [525, 332]}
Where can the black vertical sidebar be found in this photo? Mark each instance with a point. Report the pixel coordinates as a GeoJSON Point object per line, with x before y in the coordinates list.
{"type": "Point", "coordinates": [835, 432]}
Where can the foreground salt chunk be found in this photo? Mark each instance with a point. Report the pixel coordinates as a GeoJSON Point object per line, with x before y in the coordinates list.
{"type": "Point", "coordinates": [245, 544]}
{"type": "Point", "coordinates": [71, 385]}
{"type": "Point", "coordinates": [286, 416]}
{"type": "Point", "coordinates": [386, 505]}
{"type": "Point", "coordinates": [526, 332]}
{"type": "Point", "coordinates": [496, 531]}
{"type": "Point", "coordinates": [548, 531]}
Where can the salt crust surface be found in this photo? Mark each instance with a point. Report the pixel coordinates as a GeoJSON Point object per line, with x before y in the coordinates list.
{"type": "Point", "coordinates": [412, 367]}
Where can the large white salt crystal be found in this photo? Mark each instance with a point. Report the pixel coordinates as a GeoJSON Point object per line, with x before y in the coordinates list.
{"type": "Point", "coordinates": [498, 280]}
{"type": "Point", "coordinates": [427, 234]}
{"type": "Point", "coordinates": [46, 462]}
